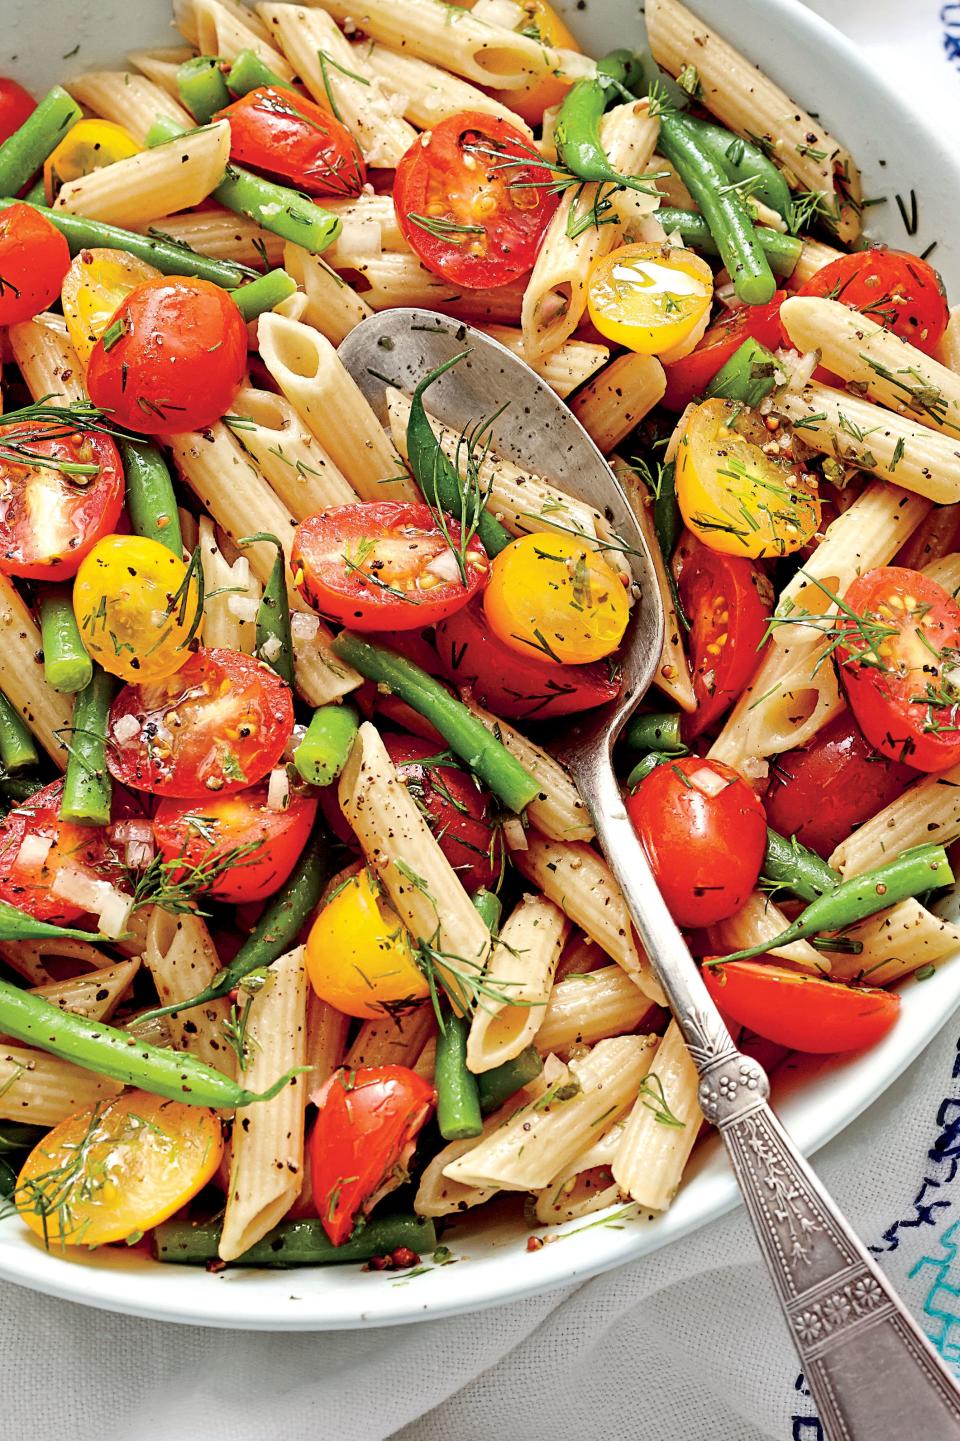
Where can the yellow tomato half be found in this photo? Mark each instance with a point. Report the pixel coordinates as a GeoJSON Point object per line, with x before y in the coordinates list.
{"type": "Point", "coordinates": [650, 298]}
{"type": "Point", "coordinates": [89, 146]}
{"type": "Point", "coordinates": [93, 288]}
{"type": "Point", "coordinates": [116, 1169]}
{"type": "Point", "coordinates": [552, 597]}
{"type": "Point", "coordinates": [542, 22]}
{"type": "Point", "coordinates": [734, 495]}
{"type": "Point", "coordinates": [136, 606]}
{"type": "Point", "coordinates": [359, 957]}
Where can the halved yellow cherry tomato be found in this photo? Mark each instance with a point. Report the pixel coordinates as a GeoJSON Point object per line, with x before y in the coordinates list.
{"type": "Point", "coordinates": [733, 494]}
{"type": "Point", "coordinates": [650, 298]}
{"type": "Point", "coordinates": [551, 597]}
{"type": "Point", "coordinates": [94, 286]}
{"type": "Point", "coordinates": [542, 22]}
{"type": "Point", "coordinates": [89, 146]}
{"type": "Point", "coordinates": [136, 606]}
{"type": "Point", "coordinates": [359, 957]}
{"type": "Point", "coordinates": [116, 1169]}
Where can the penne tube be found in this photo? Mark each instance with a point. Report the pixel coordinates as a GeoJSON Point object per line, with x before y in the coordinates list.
{"type": "Point", "coordinates": [520, 977]}
{"type": "Point", "coordinates": [586, 1185]}
{"type": "Point", "coordinates": [224, 28]}
{"type": "Point", "coordinates": [396, 1040]}
{"type": "Point", "coordinates": [46, 359]}
{"type": "Point", "coordinates": [29, 958]}
{"type": "Point", "coordinates": [222, 234]}
{"type": "Point", "coordinates": [565, 368]}
{"type": "Point", "coordinates": [96, 994]}
{"type": "Point", "coordinates": [609, 406]}
{"type": "Point", "coordinates": [327, 1031]}
{"type": "Point", "coordinates": [896, 943]}
{"type": "Point", "coordinates": [42, 1090]}
{"type": "Point", "coordinates": [813, 257]}
{"type": "Point", "coordinates": [439, 1196]}
{"type": "Point", "coordinates": [931, 542]}
{"type": "Point", "coordinates": [333, 307]}
{"type": "Point", "coordinates": [928, 811]}
{"type": "Point", "coordinates": [581, 883]}
{"type": "Point", "coordinates": [161, 66]}
{"type": "Point", "coordinates": [671, 189]}
{"type": "Point", "coordinates": [226, 588]}
{"type": "Point", "coordinates": [47, 713]}
{"type": "Point", "coordinates": [290, 459]}
{"type": "Point", "coordinates": [946, 572]}
{"type": "Point", "coordinates": [654, 1149]}
{"type": "Point", "coordinates": [186, 21]}
{"type": "Point", "coordinates": [182, 959]}
{"type": "Point", "coordinates": [133, 101]}
{"type": "Point", "coordinates": [586, 1008]}
{"type": "Point", "coordinates": [948, 351]}
{"type": "Point", "coordinates": [429, 93]}
{"type": "Point", "coordinates": [758, 920]}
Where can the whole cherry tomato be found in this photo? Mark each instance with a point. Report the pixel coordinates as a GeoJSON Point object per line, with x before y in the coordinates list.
{"type": "Point", "coordinates": [295, 140]}
{"type": "Point", "coordinates": [16, 106]}
{"type": "Point", "coordinates": [806, 1013]}
{"type": "Point", "coordinates": [34, 258]}
{"type": "Point", "coordinates": [897, 290]}
{"type": "Point", "coordinates": [36, 845]}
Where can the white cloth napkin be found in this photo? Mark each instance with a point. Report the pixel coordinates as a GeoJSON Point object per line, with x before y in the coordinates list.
{"type": "Point", "coordinates": [686, 1345]}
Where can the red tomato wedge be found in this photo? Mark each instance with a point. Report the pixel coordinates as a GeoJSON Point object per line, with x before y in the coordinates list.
{"type": "Point", "coordinates": [689, 377]}
{"type": "Point", "coordinates": [385, 564]}
{"type": "Point", "coordinates": [704, 832]}
{"type": "Point", "coordinates": [366, 1127]}
{"type": "Point", "coordinates": [459, 811]}
{"type": "Point", "coordinates": [294, 140]}
{"type": "Point", "coordinates": [16, 106]}
{"type": "Point", "coordinates": [54, 510]}
{"type": "Point", "coordinates": [217, 726]}
{"type": "Point", "coordinates": [473, 200]}
{"type": "Point", "coordinates": [728, 601]}
{"type": "Point", "coordinates": [897, 290]}
{"type": "Point", "coordinates": [35, 845]}
{"type": "Point", "coordinates": [823, 791]}
{"type": "Point", "coordinates": [34, 258]}
{"type": "Point", "coordinates": [806, 1013]}
{"type": "Point", "coordinates": [172, 359]}
{"type": "Point", "coordinates": [899, 662]}
{"type": "Point", "coordinates": [266, 843]}
{"type": "Point", "coordinates": [514, 686]}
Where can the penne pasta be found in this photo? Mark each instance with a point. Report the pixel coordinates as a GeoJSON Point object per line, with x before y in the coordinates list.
{"type": "Point", "coordinates": [96, 994]}
{"type": "Point", "coordinates": [133, 101]}
{"type": "Point", "coordinates": [896, 943]}
{"type": "Point", "coordinates": [42, 1090]}
{"type": "Point", "coordinates": [46, 711]}
{"type": "Point", "coordinates": [333, 307]}
{"type": "Point", "coordinates": [290, 459]}
{"type": "Point", "coordinates": [222, 234]}
{"type": "Point", "coordinates": [928, 811]}
{"type": "Point", "coordinates": [758, 920]}
{"type": "Point", "coordinates": [565, 368]}
{"type": "Point", "coordinates": [224, 28]}
{"type": "Point", "coordinates": [586, 1185]}
{"type": "Point", "coordinates": [429, 93]}
{"type": "Point", "coordinates": [393, 1040]}
{"type": "Point", "coordinates": [46, 359]}
{"type": "Point", "coordinates": [609, 406]}
{"type": "Point", "coordinates": [813, 257]}
{"type": "Point", "coordinates": [948, 351]}
{"type": "Point", "coordinates": [30, 958]}
{"type": "Point", "coordinates": [519, 976]}
{"type": "Point", "coordinates": [161, 66]}
{"type": "Point", "coordinates": [654, 1148]}
{"type": "Point", "coordinates": [439, 1196]}
{"type": "Point", "coordinates": [231, 595]}
{"type": "Point", "coordinates": [586, 1008]}
{"type": "Point", "coordinates": [946, 572]}
{"type": "Point", "coordinates": [182, 959]}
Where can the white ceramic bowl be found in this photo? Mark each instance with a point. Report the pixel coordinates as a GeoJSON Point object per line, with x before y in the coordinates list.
{"type": "Point", "coordinates": [897, 152]}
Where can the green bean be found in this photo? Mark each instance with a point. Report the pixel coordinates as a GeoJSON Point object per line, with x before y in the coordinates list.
{"type": "Point", "coordinates": [168, 256]}
{"type": "Point", "coordinates": [499, 1085]}
{"type": "Point", "coordinates": [87, 787]}
{"type": "Point", "coordinates": [151, 503]}
{"type": "Point", "coordinates": [439, 479]}
{"type": "Point", "coordinates": [322, 754]}
{"type": "Point", "coordinates": [248, 72]}
{"type": "Point", "coordinates": [748, 376]}
{"type": "Point", "coordinates": [458, 1105]}
{"type": "Point", "coordinates": [275, 932]}
{"type": "Point", "coordinates": [725, 213]}
{"type": "Point", "coordinates": [66, 665]}
{"type": "Point", "coordinates": [488, 906]}
{"type": "Point", "coordinates": [468, 737]}
{"type": "Point", "coordinates": [23, 153]}
{"type": "Point", "coordinates": [577, 132]}
{"type": "Point", "coordinates": [16, 925]}
{"type": "Point", "coordinates": [912, 873]}
{"type": "Point", "coordinates": [15, 1136]}
{"type": "Point", "coordinates": [295, 1243]}
{"type": "Point", "coordinates": [274, 642]}
{"type": "Point", "coordinates": [745, 165]}
{"type": "Point", "coordinates": [643, 768]}
{"type": "Point", "coordinates": [37, 194]}
{"type": "Point", "coordinates": [202, 87]}
{"type": "Point", "coordinates": [111, 1052]}
{"type": "Point", "coordinates": [264, 293]}
{"type": "Point", "coordinates": [17, 749]}
{"type": "Point", "coordinates": [788, 864]}
{"type": "Point", "coordinates": [20, 788]}
{"type": "Point", "coordinates": [782, 251]}
{"type": "Point", "coordinates": [658, 731]}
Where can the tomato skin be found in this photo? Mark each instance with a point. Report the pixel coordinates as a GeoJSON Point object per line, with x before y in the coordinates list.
{"type": "Point", "coordinates": [821, 792]}
{"type": "Point", "coordinates": [383, 563]}
{"type": "Point", "coordinates": [95, 285]}
{"type": "Point", "coordinates": [631, 302]}
{"type": "Point", "coordinates": [219, 725]}
{"type": "Point", "coordinates": [689, 377]}
{"type": "Point", "coordinates": [728, 601]}
{"type": "Point", "coordinates": [294, 140]}
{"type": "Point", "coordinates": [530, 102]}
{"type": "Point", "coordinates": [366, 1120]}
{"type": "Point", "coordinates": [359, 955]}
{"type": "Point", "coordinates": [16, 106]}
{"type": "Point", "coordinates": [34, 258]}
{"type": "Point", "coordinates": [515, 687]}
{"type": "Point", "coordinates": [893, 288]}
{"type": "Point", "coordinates": [201, 832]}
{"type": "Point", "coordinates": [705, 850]}
{"type": "Point", "coordinates": [29, 887]}
{"type": "Point", "coordinates": [512, 207]}
{"type": "Point", "coordinates": [806, 1013]}
{"type": "Point", "coordinates": [458, 810]}
{"type": "Point", "coordinates": [178, 360]}
{"type": "Point", "coordinates": [49, 522]}
{"type": "Point", "coordinates": [890, 703]}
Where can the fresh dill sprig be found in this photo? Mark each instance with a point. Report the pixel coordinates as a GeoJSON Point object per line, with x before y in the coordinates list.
{"type": "Point", "coordinates": [652, 1095]}
{"type": "Point", "coordinates": [174, 885]}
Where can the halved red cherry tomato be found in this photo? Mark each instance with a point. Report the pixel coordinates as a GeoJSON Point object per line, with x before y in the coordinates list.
{"type": "Point", "coordinates": [689, 377]}
{"type": "Point", "coordinates": [821, 792]}
{"type": "Point", "coordinates": [218, 725]}
{"type": "Point", "coordinates": [806, 1013]}
{"type": "Point", "coordinates": [704, 832]}
{"type": "Point", "coordinates": [34, 258]}
{"type": "Point", "coordinates": [900, 665]}
{"type": "Point", "coordinates": [458, 809]}
{"type": "Point", "coordinates": [270, 840]}
{"type": "Point", "coordinates": [16, 106]}
{"type": "Point", "coordinates": [367, 1123]}
{"type": "Point", "coordinates": [172, 358]}
{"type": "Point", "coordinates": [294, 140]}
{"type": "Point", "coordinates": [728, 601]}
{"type": "Point", "coordinates": [27, 872]}
{"type": "Point", "coordinates": [384, 563]}
{"type": "Point", "coordinates": [895, 289]}
{"type": "Point", "coordinates": [51, 515]}
{"type": "Point", "coordinates": [517, 687]}
{"type": "Point", "coordinates": [473, 201]}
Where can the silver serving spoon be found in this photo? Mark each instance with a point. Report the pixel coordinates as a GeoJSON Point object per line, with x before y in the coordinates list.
{"type": "Point", "coordinates": [871, 1371]}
